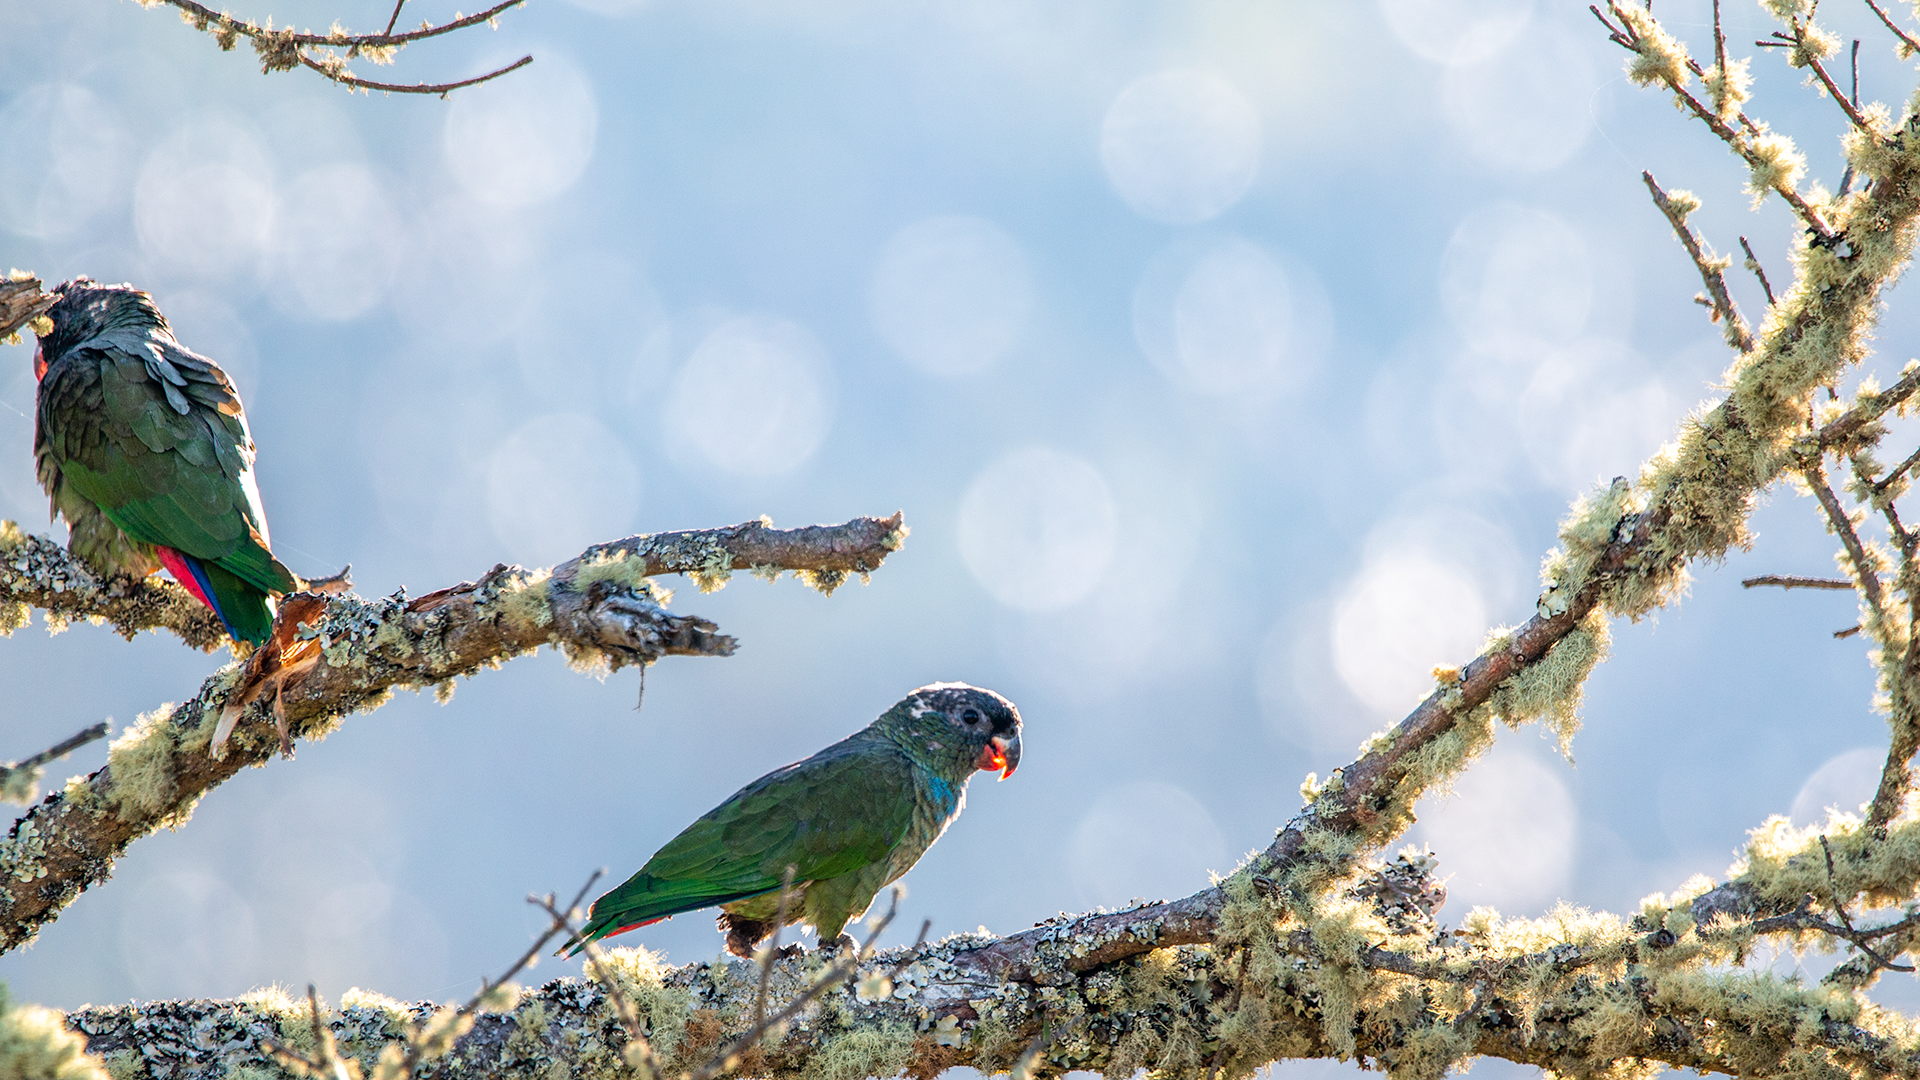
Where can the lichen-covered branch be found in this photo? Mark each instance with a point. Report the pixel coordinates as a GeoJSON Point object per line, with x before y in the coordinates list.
{"type": "Point", "coordinates": [1581, 994]}
{"type": "Point", "coordinates": [284, 49]}
{"type": "Point", "coordinates": [600, 609]}
{"type": "Point", "coordinates": [37, 573]}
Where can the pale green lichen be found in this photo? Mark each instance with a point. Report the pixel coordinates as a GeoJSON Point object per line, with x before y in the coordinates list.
{"type": "Point", "coordinates": [36, 1045]}
{"type": "Point", "coordinates": [20, 783]}
{"type": "Point", "coordinates": [141, 763]}
{"type": "Point", "coordinates": [1658, 58]}
{"type": "Point", "coordinates": [521, 597]}
{"type": "Point", "coordinates": [621, 569]}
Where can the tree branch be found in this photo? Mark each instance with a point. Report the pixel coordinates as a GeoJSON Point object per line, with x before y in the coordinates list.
{"type": "Point", "coordinates": [1712, 269]}
{"type": "Point", "coordinates": [283, 50]}
{"type": "Point", "coordinates": [21, 301]}
{"type": "Point", "coordinates": [1788, 581]}
{"type": "Point", "coordinates": [597, 608]}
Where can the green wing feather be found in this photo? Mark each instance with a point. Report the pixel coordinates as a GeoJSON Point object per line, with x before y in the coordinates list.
{"type": "Point", "coordinates": [845, 808]}
{"type": "Point", "coordinates": [153, 435]}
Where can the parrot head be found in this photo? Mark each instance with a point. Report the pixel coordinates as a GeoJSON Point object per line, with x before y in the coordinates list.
{"type": "Point", "coordinates": [977, 728]}
{"type": "Point", "coordinates": [86, 309]}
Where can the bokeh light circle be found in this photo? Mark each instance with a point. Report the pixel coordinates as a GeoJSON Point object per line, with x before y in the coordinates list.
{"type": "Point", "coordinates": [1843, 782]}
{"type": "Point", "coordinates": [1523, 109]}
{"type": "Point", "coordinates": [1516, 279]}
{"type": "Point", "coordinates": [1146, 839]}
{"type": "Point", "coordinates": [755, 398]}
{"type": "Point", "coordinates": [204, 202]}
{"type": "Point", "coordinates": [1407, 612]}
{"type": "Point", "coordinates": [66, 160]}
{"type": "Point", "coordinates": [524, 140]}
{"type": "Point", "coordinates": [1180, 146]}
{"type": "Point", "coordinates": [338, 242]}
{"type": "Point", "coordinates": [1456, 30]}
{"type": "Point", "coordinates": [1507, 835]}
{"type": "Point", "coordinates": [559, 483]}
{"type": "Point", "coordinates": [951, 294]}
{"type": "Point", "coordinates": [1038, 529]}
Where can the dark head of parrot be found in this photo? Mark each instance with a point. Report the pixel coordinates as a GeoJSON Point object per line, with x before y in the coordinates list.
{"type": "Point", "coordinates": [964, 727]}
{"type": "Point", "coordinates": [85, 310]}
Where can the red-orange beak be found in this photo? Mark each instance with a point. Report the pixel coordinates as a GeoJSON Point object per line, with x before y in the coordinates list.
{"type": "Point", "coordinates": [1001, 755]}
{"type": "Point", "coordinates": [39, 362]}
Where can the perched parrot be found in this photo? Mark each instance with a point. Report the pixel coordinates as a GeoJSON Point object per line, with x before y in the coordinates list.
{"type": "Point", "coordinates": [849, 820]}
{"type": "Point", "coordinates": [142, 446]}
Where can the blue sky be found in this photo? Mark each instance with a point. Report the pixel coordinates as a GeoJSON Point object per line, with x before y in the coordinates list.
{"type": "Point", "coordinates": [1232, 362]}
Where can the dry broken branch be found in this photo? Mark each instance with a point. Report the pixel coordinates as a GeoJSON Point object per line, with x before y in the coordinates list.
{"type": "Point", "coordinates": [21, 300]}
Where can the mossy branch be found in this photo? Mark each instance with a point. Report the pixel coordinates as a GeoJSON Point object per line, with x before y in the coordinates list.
{"type": "Point", "coordinates": [602, 611]}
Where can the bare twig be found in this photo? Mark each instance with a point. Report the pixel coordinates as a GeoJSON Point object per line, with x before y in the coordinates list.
{"type": "Point", "coordinates": [772, 948]}
{"type": "Point", "coordinates": [1854, 936]}
{"type": "Point", "coordinates": [283, 50]}
{"type": "Point", "coordinates": [1841, 635]}
{"type": "Point", "coordinates": [338, 73]}
{"type": "Point", "coordinates": [62, 748]}
{"type": "Point", "coordinates": [842, 969]}
{"type": "Point", "coordinates": [1753, 265]}
{"type": "Point", "coordinates": [1788, 581]}
{"type": "Point", "coordinates": [1712, 270]}
{"type": "Point", "coordinates": [1842, 523]}
{"type": "Point", "coordinates": [19, 780]}
{"type": "Point", "coordinates": [1850, 107]}
{"type": "Point", "coordinates": [1905, 38]}
{"type": "Point", "coordinates": [639, 1053]}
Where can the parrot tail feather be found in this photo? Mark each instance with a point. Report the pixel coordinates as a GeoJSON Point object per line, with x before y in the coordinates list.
{"type": "Point", "coordinates": [188, 572]}
{"type": "Point", "coordinates": [575, 949]}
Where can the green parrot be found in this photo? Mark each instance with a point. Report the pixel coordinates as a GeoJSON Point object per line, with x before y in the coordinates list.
{"type": "Point", "coordinates": [849, 820]}
{"type": "Point", "coordinates": [142, 446]}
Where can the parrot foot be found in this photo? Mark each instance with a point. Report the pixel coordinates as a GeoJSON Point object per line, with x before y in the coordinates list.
{"type": "Point", "coordinates": [844, 941]}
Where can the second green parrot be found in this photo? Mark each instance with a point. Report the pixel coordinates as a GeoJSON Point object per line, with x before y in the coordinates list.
{"type": "Point", "coordinates": [849, 820]}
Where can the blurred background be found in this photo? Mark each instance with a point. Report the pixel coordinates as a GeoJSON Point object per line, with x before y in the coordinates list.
{"type": "Point", "coordinates": [1233, 363]}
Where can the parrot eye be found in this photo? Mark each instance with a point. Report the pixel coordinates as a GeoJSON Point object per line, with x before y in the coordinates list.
{"type": "Point", "coordinates": [971, 716]}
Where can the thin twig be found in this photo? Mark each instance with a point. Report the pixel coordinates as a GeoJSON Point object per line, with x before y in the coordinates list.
{"type": "Point", "coordinates": [1852, 110]}
{"type": "Point", "coordinates": [772, 950]}
{"type": "Point", "coordinates": [1863, 569]}
{"type": "Point", "coordinates": [398, 4]}
{"type": "Point", "coordinates": [840, 971]}
{"type": "Point", "coordinates": [60, 749]}
{"type": "Point", "coordinates": [1753, 265]}
{"type": "Point", "coordinates": [1789, 581]}
{"type": "Point", "coordinates": [1905, 38]}
{"type": "Point", "coordinates": [1715, 279]}
{"type": "Point", "coordinates": [1719, 42]}
{"type": "Point", "coordinates": [639, 1052]}
{"type": "Point", "coordinates": [344, 41]}
{"type": "Point", "coordinates": [1852, 935]}
{"type": "Point", "coordinates": [1842, 635]}
{"type": "Point", "coordinates": [355, 82]}
{"type": "Point", "coordinates": [1734, 139]}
